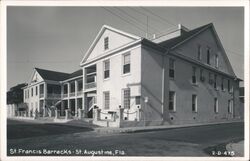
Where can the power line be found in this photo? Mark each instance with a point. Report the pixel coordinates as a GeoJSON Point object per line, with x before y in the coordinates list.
{"type": "Point", "coordinates": [163, 19]}
{"type": "Point", "coordinates": [141, 22]}
{"type": "Point", "coordinates": [141, 29]}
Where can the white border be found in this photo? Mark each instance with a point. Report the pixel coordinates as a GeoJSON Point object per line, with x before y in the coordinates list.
{"type": "Point", "coordinates": [179, 3]}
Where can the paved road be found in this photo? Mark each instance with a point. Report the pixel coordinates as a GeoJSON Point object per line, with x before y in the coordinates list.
{"type": "Point", "coordinates": [191, 141]}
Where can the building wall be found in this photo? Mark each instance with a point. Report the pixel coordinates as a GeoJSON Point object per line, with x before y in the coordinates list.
{"type": "Point", "coordinates": [118, 80]}
{"type": "Point", "coordinates": [182, 85]}
{"type": "Point", "coordinates": [115, 40]}
{"type": "Point", "coordinates": [152, 85]}
{"type": "Point", "coordinates": [33, 101]}
{"type": "Point", "coordinates": [206, 39]}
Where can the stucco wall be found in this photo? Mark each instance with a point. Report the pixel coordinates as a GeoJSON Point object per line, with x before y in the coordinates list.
{"type": "Point", "coordinates": [152, 76]}
{"type": "Point", "coordinates": [205, 92]}
{"type": "Point", "coordinates": [206, 39]}
{"type": "Point", "coordinates": [119, 81]}
{"type": "Point", "coordinates": [115, 40]}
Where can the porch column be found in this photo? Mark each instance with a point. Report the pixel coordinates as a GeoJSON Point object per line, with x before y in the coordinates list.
{"type": "Point", "coordinates": [68, 88]}
{"type": "Point", "coordinates": [76, 109]}
{"type": "Point", "coordinates": [45, 90]}
{"type": "Point", "coordinates": [76, 87]}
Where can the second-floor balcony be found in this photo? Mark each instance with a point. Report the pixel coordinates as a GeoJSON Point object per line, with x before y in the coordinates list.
{"type": "Point", "coordinates": [90, 85]}
{"type": "Point", "coordinates": [53, 95]}
{"type": "Point", "coordinates": [41, 95]}
{"type": "Point", "coordinates": [72, 94]}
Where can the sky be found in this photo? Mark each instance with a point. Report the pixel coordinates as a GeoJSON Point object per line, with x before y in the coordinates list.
{"type": "Point", "coordinates": [56, 38]}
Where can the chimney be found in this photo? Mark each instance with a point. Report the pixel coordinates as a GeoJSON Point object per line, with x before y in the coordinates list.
{"type": "Point", "coordinates": [171, 34]}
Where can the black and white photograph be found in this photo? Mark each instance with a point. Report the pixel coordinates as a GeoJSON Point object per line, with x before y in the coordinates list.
{"type": "Point", "coordinates": [125, 81]}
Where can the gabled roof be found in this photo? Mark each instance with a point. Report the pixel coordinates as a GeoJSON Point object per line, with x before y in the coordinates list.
{"type": "Point", "coordinates": [184, 36]}
{"type": "Point", "coordinates": [57, 76]}
{"type": "Point", "coordinates": [52, 75]}
{"type": "Point", "coordinates": [75, 74]}
{"type": "Point", "coordinates": [98, 36]}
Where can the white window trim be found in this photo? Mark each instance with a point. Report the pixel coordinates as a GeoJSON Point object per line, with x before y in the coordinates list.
{"type": "Point", "coordinates": [104, 69]}
{"type": "Point", "coordinates": [174, 108]}
{"type": "Point", "coordinates": [123, 55]}
{"type": "Point", "coordinates": [104, 103]}
{"type": "Point", "coordinates": [196, 103]}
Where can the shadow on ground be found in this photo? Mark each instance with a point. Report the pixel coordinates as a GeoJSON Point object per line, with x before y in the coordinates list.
{"type": "Point", "coordinates": [17, 130]}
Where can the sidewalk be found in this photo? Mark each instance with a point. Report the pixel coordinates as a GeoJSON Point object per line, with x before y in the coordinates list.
{"type": "Point", "coordinates": [106, 130]}
{"type": "Point", "coordinates": [237, 148]}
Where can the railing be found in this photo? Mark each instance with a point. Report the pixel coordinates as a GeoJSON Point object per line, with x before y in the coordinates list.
{"type": "Point", "coordinates": [90, 85]}
{"type": "Point", "coordinates": [41, 95]}
{"type": "Point", "coordinates": [79, 93]}
{"type": "Point", "coordinates": [53, 95]}
{"type": "Point", "coordinates": [65, 95]}
{"type": "Point", "coordinates": [72, 94]}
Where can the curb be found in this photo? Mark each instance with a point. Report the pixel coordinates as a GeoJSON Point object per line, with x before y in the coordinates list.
{"type": "Point", "coordinates": [106, 130]}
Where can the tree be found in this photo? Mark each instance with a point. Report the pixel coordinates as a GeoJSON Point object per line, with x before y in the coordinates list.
{"type": "Point", "coordinates": [15, 94]}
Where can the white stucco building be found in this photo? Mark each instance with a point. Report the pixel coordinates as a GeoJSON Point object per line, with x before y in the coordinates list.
{"type": "Point", "coordinates": [126, 80]}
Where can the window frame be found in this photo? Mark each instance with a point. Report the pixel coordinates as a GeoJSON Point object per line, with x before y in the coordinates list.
{"type": "Point", "coordinates": [208, 56]}
{"type": "Point", "coordinates": [216, 105]}
{"type": "Point", "coordinates": [174, 102]}
{"type": "Point", "coordinates": [106, 43]}
{"type": "Point", "coordinates": [199, 56]}
{"type": "Point", "coordinates": [106, 70]}
{"type": "Point", "coordinates": [123, 63]}
{"type": "Point", "coordinates": [123, 98]}
{"type": "Point", "coordinates": [216, 61]}
{"type": "Point", "coordinates": [104, 100]}
{"type": "Point", "coordinates": [194, 75]}
{"type": "Point", "coordinates": [195, 108]}
{"type": "Point", "coordinates": [171, 68]}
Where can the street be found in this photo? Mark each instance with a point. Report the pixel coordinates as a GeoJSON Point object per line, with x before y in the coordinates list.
{"type": "Point", "coordinates": [50, 139]}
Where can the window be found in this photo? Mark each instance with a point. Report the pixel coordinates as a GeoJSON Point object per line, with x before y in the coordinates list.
{"type": "Point", "coordinates": [222, 84]}
{"type": "Point", "coordinates": [126, 98]}
{"type": "Point", "coordinates": [230, 106]}
{"type": "Point", "coordinates": [194, 75]}
{"type": "Point", "coordinates": [106, 100]}
{"type": "Point", "coordinates": [126, 63]}
{"type": "Point", "coordinates": [36, 91]}
{"type": "Point", "coordinates": [137, 100]}
{"type": "Point", "coordinates": [215, 81]}
{"type": "Point", "coordinates": [171, 105]}
{"type": "Point", "coordinates": [230, 87]}
{"type": "Point", "coordinates": [208, 56]}
{"type": "Point", "coordinates": [31, 92]}
{"type": "Point", "coordinates": [216, 110]}
{"type": "Point", "coordinates": [210, 78]}
{"type": "Point", "coordinates": [106, 43]}
{"type": "Point", "coordinates": [171, 68]}
{"type": "Point", "coordinates": [199, 52]}
{"type": "Point", "coordinates": [28, 93]}
{"type": "Point", "coordinates": [194, 103]}
{"type": "Point", "coordinates": [216, 61]}
{"type": "Point", "coordinates": [202, 78]}
{"type": "Point", "coordinates": [106, 69]}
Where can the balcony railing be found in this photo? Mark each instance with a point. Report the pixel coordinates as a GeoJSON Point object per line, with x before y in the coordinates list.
{"type": "Point", "coordinates": [90, 85]}
{"type": "Point", "coordinates": [65, 95]}
{"type": "Point", "coordinates": [41, 95]}
{"type": "Point", "coordinates": [53, 95]}
{"type": "Point", "coordinates": [79, 93]}
{"type": "Point", "coordinates": [72, 94]}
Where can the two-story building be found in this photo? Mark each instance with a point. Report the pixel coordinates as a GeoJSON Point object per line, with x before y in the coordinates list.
{"type": "Point", "coordinates": [48, 89]}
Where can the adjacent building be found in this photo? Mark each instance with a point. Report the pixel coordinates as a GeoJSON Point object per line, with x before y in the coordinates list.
{"type": "Point", "coordinates": [126, 80]}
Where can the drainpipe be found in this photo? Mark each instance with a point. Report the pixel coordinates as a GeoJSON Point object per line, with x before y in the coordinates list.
{"type": "Point", "coordinates": [163, 84]}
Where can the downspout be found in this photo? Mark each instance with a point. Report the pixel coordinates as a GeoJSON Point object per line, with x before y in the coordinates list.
{"type": "Point", "coordinates": [163, 85]}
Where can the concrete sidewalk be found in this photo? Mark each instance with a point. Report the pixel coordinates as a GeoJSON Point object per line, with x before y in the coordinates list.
{"type": "Point", "coordinates": [106, 130]}
{"type": "Point", "coordinates": [237, 148]}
